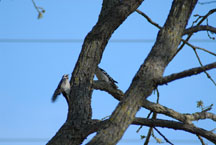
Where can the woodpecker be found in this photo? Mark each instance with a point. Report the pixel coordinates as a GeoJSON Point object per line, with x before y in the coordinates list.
{"type": "Point", "coordinates": [104, 76]}
{"type": "Point", "coordinates": [63, 87]}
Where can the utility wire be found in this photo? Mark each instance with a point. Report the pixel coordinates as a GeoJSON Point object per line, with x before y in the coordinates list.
{"type": "Point", "coordinates": [31, 140]}
{"type": "Point", "coordinates": [24, 40]}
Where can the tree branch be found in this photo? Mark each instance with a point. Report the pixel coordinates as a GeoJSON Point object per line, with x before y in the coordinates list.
{"type": "Point", "coordinates": [155, 107]}
{"type": "Point", "coordinates": [164, 137]}
{"type": "Point", "coordinates": [196, 47]}
{"type": "Point", "coordinates": [186, 73]}
{"type": "Point", "coordinates": [104, 86]}
{"type": "Point", "coordinates": [176, 125]}
{"type": "Point", "coordinates": [153, 68]}
{"type": "Point", "coordinates": [190, 35]}
{"type": "Point", "coordinates": [148, 19]}
{"type": "Point", "coordinates": [195, 29]}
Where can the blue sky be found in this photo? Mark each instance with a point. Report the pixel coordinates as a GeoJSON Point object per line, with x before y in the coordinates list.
{"type": "Point", "coordinates": [30, 72]}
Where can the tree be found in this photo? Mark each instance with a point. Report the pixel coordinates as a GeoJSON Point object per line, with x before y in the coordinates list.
{"type": "Point", "coordinates": [79, 123]}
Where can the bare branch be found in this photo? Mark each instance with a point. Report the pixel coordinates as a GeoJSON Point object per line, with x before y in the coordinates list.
{"type": "Point", "coordinates": [176, 125]}
{"type": "Point", "coordinates": [154, 116]}
{"type": "Point", "coordinates": [164, 137]}
{"type": "Point", "coordinates": [148, 19]}
{"type": "Point", "coordinates": [196, 47]}
{"type": "Point", "coordinates": [207, 74]}
{"type": "Point", "coordinates": [148, 136]}
{"type": "Point", "coordinates": [189, 36]}
{"type": "Point", "coordinates": [186, 73]}
{"type": "Point", "coordinates": [40, 10]}
{"type": "Point", "coordinates": [201, 140]}
{"type": "Point", "coordinates": [154, 107]}
{"type": "Point", "coordinates": [199, 28]}
{"type": "Point", "coordinates": [104, 86]}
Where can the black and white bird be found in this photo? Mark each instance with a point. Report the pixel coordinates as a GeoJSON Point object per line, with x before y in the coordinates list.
{"type": "Point", "coordinates": [104, 76]}
{"type": "Point", "coordinates": [63, 87]}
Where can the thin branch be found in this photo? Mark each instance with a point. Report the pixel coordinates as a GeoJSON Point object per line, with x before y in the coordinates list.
{"type": "Point", "coordinates": [154, 116]}
{"type": "Point", "coordinates": [196, 47]}
{"type": "Point", "coordinates": [148, 19]}
{"type": "Point", "coordinates": [164, 137]}
{"type": "Point", "coordinates": [201, 140]}
{"type": "Point", "coordinates": [189, 36]}
{"type": "Point", "coordinates": [207, 74]}
{"type": "Point", "coordinates": [186, 73]}
{"type": "Point", "coordinates": [40, 10]}
{"type": "Point", "coordinates": [36, 7]}
{"type": "Point", "coordinates": [157, 139]}
{"type": "Point", "coordinates": [148, 136]}
{"type": "Point", "coordinates": [195, 29]}
{"type": "Point", "coordinates": [176, 125]}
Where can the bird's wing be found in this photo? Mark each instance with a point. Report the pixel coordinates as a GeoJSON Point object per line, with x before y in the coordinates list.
{"type": "Point", "coordinates": [57, 92]}
{"type": "Point", "coordinates": [110, 78]}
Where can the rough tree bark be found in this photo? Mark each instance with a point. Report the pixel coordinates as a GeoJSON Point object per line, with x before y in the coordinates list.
{"type": "Point", "coordinates": [79, 123]}
{"type": "Point", "coordinates": [76, 128]}
{"type": "Point", "coordinates": [149, 73]}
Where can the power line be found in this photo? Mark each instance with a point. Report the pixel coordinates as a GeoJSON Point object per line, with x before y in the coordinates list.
{"type": "Point", "coordinates": [24, 40]}
{"type": "Point", "coordinates": [31, 140]}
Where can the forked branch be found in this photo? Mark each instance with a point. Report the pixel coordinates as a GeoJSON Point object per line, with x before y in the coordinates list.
{"type": "Point", "coordinates": [155, 107]}
{"type": "Point", "coordinates": [176, 125]}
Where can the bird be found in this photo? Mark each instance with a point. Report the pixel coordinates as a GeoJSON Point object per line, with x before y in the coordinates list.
{"type": "Point", "coordinates": [63, 87]}
{"type": "Point", "coordinates": [102, 75]}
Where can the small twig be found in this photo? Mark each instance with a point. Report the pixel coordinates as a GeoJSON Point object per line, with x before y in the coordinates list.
{"type": "Point", "coordinates": [158, 95]}
{"type": "Point", "coordinates": [36, 7]}
{"type": "Point", "coordinates": [201, 140]}
{"type": "Point", "coordinates": [148, 136]}
{"type": "Point", "coordinates": [163, 136]}
{"type": "Point", "coordinates": [207, 74]}
{"type": "Point", "coordinates": [148, 19]}
{"type": "Point", "coordinates": [157, 139]}
{"type": "Point", "coordinates": [154, 116]}
{"type": "Point", "coordinates": [213, 38]}
{"type": "Point", "coordinates": [208, 108]}
{"type": "Point", "coordinates": [104, 118]}
{"type": "Point", "coordinates": [195, 29]}
{"type": "Point", "coordinates": [189, 36]}
{"type": "Point", "coordinates": [149, 114]}
{"type": "Point", "coordinates": [139, 128]}
{"type": "Point", "coordinates": [196, 47]}
{"type": "Point", "coordinates": [40, 10]}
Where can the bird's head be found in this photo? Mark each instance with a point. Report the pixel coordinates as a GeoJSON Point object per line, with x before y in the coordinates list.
{"type": "Point", "coordinates": [65, 76]}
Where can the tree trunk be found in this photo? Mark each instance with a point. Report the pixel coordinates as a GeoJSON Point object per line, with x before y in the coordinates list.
{"type": "Point", "coordinates": [151, 70]}
{"type": "Point", "coordinates": [78, 124]}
